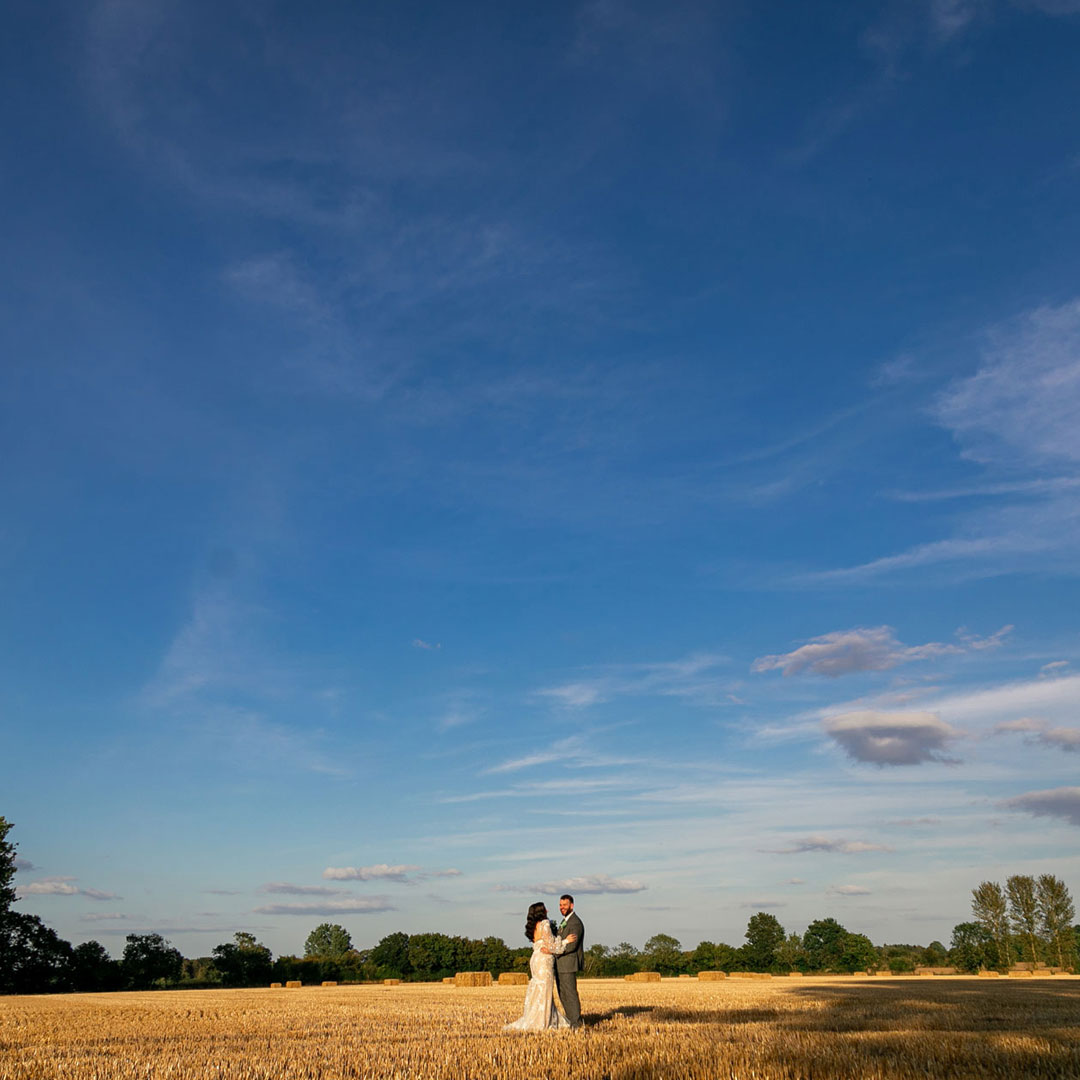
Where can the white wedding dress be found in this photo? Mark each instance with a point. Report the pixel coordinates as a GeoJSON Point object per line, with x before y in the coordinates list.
{"type": "Point", "coordinates": [541, 1013]}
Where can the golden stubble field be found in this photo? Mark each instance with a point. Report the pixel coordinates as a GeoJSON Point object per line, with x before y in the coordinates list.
{"type": "Point", "coordinates": [820, 1028]}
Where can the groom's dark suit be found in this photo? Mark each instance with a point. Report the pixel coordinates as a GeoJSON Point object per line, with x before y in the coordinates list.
{"type": "Point", "coordinates": [567, 967]}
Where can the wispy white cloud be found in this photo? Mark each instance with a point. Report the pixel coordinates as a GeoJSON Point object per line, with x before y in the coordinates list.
{"type": "Point", "coordinates": [62, 886]}
{"type": "Point", "coordinates": [1041, 733]}
{"type": "Point", "coordinates": [365, 906]}
{"type": "Point", "coordinates": [289, 889]}
{"type": "Point", "coordinates": [694, 678]}
{"type": "Point", "coordinates": [104, 916]}
{"type": "Point", "coordinates": [845, 651]}
{"type": "Point", "coordinates": [848, 890]}
{"type": "Point", "coordinates": [591, 884]}
{"type": "Point", "coordinates": [827, 844]}
{"type": "Point", "coordinates": [1018, 417]}
{"type": "Point", "coordinates": [419, 643]}
{"type": "Point", "coordinates": [378, 872]}
{"type": "Point", "coordinates": [23, 864]}
{"type": "Point", "coordinates": [882, 738]}
{"type": "Point", "coordinates": [1055, 667]}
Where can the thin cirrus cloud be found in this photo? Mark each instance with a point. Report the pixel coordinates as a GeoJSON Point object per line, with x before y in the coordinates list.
{"type": "Point", "coordinates": [593, 884]}
{"type": "Point", "coordinates": [1040, 733]}
{"type": "Point", "coordinates": [875, 648]}
{"type": "Point", "coordinates": [694, 678]}
{"type": "Point", "coordinates": [363, 906]}
{"type": "Point", "coordinates": [287, 888]}
{"type": "Point", "coordinates": [881, 738]}
{"type": "Point", "coordinates": [848, 890]}
{"type": "Point", "coordinates": [825, 844]}
{"type": "Point", "coordinates": [1016, 414]}
{"type": "Point", "coordinates": [23, 864]}
{"type": "Point", "coordinates": [403, 873]}
{"type": "Point", "coordinates": [62, 886]}
{"type": "Point", "coordinates": [1062, 802]}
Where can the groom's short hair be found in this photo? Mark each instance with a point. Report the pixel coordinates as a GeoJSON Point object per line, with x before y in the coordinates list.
{"type": "Point", "coordinates": [567, 896]}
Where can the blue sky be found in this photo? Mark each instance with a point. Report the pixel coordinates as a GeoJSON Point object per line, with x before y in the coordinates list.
{"type": "Point", "coordinates": [459, 453]}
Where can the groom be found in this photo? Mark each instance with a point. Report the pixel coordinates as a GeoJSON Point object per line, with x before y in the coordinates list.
{"type": "Point", "coordinates": [571, 962]}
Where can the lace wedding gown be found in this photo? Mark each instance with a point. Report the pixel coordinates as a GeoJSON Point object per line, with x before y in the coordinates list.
{"type": "Point", "coordinates": [541, 1012]}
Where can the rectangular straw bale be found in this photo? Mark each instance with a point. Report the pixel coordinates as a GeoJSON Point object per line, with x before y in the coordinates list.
{"type": "Point", "coordinates": [711, 976]}
{"type": "Point", "coordinates": [275, 986]}
{"type": "Point", "coordinates": [989, 974]}
{"type": "Point", "coordinates": [1021, 975]}
{"type": "Point", "coordinates": [293, 984]}
{"type": "Point", "coordinates": [749, 975]}
{"type": "Point", "coordinates": [390, 982]}
{"type": "Point", "coordinates": [472, 978]}
{"type": "Point", "coordinates": [328, 983]}
{"type": "Point", "coordinates": [513, 978]}
{"type": "Point", "coordinates": [643, 976]}
{"type": "Point", "coordinates": [448, 981]}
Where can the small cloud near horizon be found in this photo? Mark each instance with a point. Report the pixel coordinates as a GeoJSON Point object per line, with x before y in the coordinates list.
{"type": "Point", "coordinates": [363, 906]}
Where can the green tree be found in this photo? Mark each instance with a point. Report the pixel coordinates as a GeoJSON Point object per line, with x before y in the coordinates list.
{"type": "Point", "coordinates": [712, 957]}
{"type": "Point", "coordinates": [790, 955]}
{"type": "Point", "coordinates": [596, 957]}
{"type": "Point", "coordinates": [990, 911]}
{"type": "Point", "coordinates": [93, 969]}
{"type": "Point", "coordinates": [150, 960]}
{"type": "Point", "coordinates": [7, 869]}
{"type": "Point", "coordinates": [34, 959]}
{"type": "Point", "coordinates": [823, 944]}
{"type": "Point", "coordinates": [972, 947]}
{"type": "Point", "coordinates": [663, 953]}
{"type": "Point", "coordinates": [391, 956]}
{"type": "Point", "coordinates": [624, 959]}
{"type": "Point", "coordinates": [1056, 912]}
{"type": "Point", "coordinates": [1024, 913]}
{"type": "Point", "coordinates": [764, 936]}
{"type": "Point", "coordinates": [243, 961]}
{"type": "Point", "coordinates": [328, 941]}
{"type": "Point", "coordinates": [934, 955]}
{"type": "Point", "coordinates": [857, 953]}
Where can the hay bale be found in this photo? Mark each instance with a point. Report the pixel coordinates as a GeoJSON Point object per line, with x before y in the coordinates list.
{"type": "Point", "coordinates": [329, 983]}
{"type": "Point", "coordinates": [513, 978]}
{"type": "Point", "coordinates": [275, 986]}
{"type": "Point", "coordinates": [293, 984]}
{"type": "Point", "coordinates": [643, 976]}
{"type": "Point", "coordinates": [989, 974]}
{"type": "Point", "coordinates": [473, 978]}
{"type": "Point", "coordinates": [711, 976]}
{"type": "Point", "coordinates": [749, 975]}
{"type": "Point", "coordinates": [448, 981]}
{"type": "Point", "coordinates": [387, 982]}
{"type": "Point", "coordinates": [1021, 975]}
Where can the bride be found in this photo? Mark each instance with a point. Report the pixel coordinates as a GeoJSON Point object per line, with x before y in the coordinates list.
{"type": "Point", "coordinates": [541, 1013]}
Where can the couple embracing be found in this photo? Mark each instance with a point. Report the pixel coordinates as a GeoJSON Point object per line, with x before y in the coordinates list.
{"type": "Point", "coordinates": [557, 957]}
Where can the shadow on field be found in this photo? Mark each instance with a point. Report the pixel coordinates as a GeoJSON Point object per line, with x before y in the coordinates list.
{"type": "Point", "coordinates": [904, 1029]}
{"type": "Point", "coordinates": [1030, 1010]}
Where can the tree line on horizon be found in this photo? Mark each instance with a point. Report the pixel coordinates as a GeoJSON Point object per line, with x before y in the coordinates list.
{"type": "Point", "coordinates": [1029, 920]}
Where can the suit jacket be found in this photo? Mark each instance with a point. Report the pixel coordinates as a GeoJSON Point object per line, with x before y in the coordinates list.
{"type": "Point", "coordinates": [573, 959]}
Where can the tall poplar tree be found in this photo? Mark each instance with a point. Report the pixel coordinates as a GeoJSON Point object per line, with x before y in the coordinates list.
{"type": "Point", "coordinates": [7, 869]}
{"type": "Point", "coordinates": [990, 911]}
{"type": "Point", "coordinates": [1024, 912]}
{"type": "Point", "coordinates": [1056, 912]}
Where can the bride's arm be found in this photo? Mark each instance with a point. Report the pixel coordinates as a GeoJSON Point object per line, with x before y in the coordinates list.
{"type": "Point", "coordinates": [555, 946]}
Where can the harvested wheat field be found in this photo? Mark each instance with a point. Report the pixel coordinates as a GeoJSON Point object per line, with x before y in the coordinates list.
{"type": "Point", "coordinates": [763, 1030]}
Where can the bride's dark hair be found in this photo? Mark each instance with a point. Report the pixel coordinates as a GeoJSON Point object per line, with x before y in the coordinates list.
{"type": "Point", "coordinates": [537, 913]}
